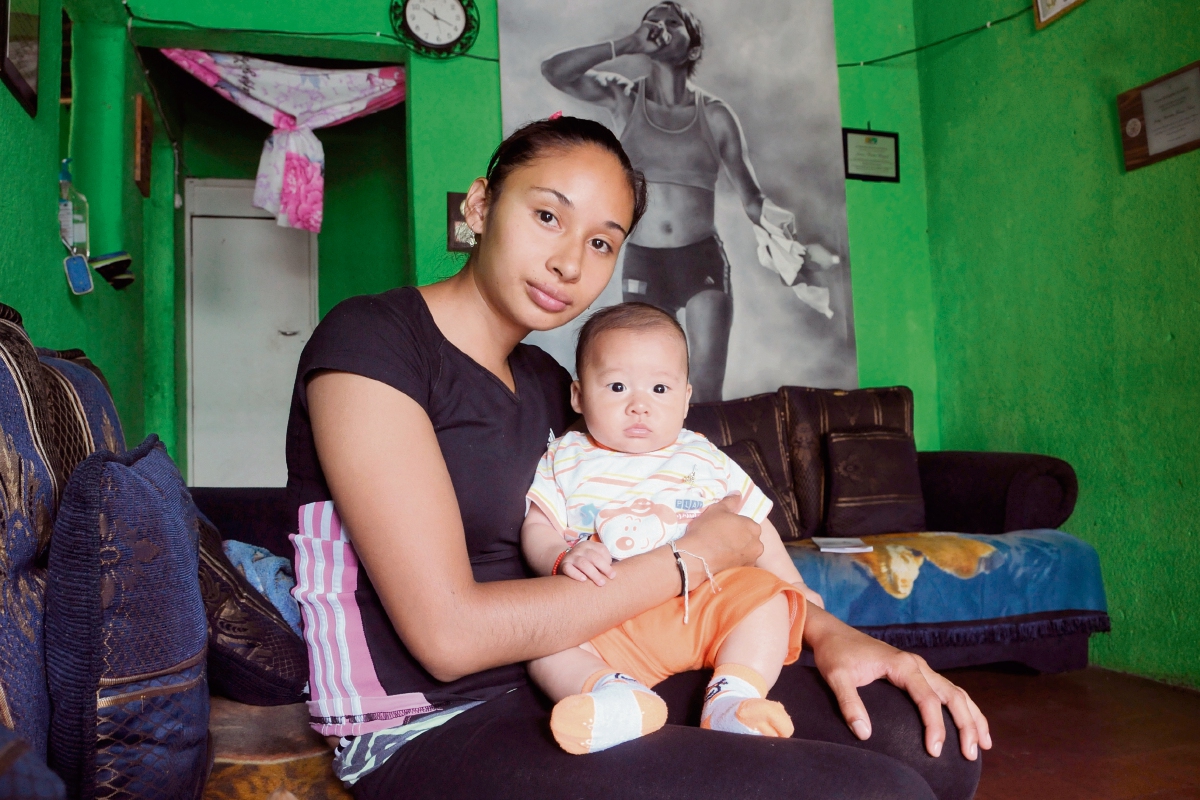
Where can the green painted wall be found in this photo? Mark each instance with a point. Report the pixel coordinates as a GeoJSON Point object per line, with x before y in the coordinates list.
{"type": "Point", "coordinates": [365, 241]}
{"type": "Point", "coordinates": [106, 324]}
{"type": "Point", "coordinates": [893, 295]}
{"type": "Point", "coordinates": [1066, 292]}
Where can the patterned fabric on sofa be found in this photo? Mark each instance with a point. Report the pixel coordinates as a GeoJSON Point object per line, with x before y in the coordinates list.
{"type": "Point", "coordinates": [54, 412]}
{"type": "Point", "coordinates": [921, 578]}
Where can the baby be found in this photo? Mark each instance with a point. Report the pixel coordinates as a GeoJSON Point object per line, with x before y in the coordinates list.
{"type": "Point", "coordinates": [631, 484]}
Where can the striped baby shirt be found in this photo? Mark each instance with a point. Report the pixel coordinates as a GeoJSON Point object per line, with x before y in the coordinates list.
{"type": "Point", "coordinates": [635, 502]}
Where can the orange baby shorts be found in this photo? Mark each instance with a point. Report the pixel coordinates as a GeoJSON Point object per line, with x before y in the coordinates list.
{"type": "Point", "coordinates": [656, 644]}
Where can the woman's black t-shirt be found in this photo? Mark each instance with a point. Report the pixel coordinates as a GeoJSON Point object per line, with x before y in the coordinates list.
{"type": "Point", "coordinates": [491, 439]}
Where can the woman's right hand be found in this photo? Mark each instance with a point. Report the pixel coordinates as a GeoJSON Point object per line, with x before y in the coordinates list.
{"type": "Point", "coordinates": [723, 538]}
{"type": "Point", "coordinates": [649, 36]}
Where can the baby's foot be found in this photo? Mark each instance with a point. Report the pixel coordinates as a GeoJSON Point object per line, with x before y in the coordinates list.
{"type": "Point", "coordinates": [736, 702]}
{"type": "Point", "coordinates": [614, 708]}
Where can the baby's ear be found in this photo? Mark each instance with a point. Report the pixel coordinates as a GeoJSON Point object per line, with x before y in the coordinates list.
{"type": "Point", "coordinates": [577, 391]}
{"type": "Point", "coordinates": [688, 399]}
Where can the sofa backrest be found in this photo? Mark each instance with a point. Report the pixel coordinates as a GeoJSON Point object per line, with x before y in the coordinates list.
{"type": "Point", "coordinates": [810, 414]}
{"type": "Point", "coordinates": [759, 419]}
{"type": "Point", "coordinates": [789, 428]}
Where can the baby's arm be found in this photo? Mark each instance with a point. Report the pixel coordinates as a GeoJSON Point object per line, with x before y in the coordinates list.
{"type": "Point", "coordinates": [775, 559]}
{"type": "Point", "coordinates": [542, 544]}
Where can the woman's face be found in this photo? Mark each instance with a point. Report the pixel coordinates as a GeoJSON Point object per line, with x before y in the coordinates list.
{"type": "Point", "coordinates": [548, 245]}
{"type": "Point", "coordinates": [675, 45]}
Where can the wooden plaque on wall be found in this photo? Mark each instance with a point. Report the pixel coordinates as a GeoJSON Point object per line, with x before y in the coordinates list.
{"type": "Point", "coordinates": [1047, 11]}
{"type": "Point", "coordinates": [143, 141]}
{"type": "Point", "coordinates": [1174, 122]}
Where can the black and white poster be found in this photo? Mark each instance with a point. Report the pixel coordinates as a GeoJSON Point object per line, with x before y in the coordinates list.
{"type": "Point", "coordinates": [731, 111]}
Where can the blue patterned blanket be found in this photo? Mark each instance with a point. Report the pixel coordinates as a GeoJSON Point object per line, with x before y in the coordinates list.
{"type": "Point", "coordinates": [915, 578]}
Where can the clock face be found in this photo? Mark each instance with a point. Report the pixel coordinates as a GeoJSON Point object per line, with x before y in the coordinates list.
{"type": "Point", "coordinates": [436, 23]}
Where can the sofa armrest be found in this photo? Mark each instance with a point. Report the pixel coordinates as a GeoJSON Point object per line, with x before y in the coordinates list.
{"type": "Point", "coordinates": [970, 492]}
{"type": "Point", "coordinates": [255, 516]}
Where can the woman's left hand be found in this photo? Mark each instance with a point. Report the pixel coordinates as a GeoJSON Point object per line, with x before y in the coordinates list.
{"type": "Point", "coordinates": [848, 659]}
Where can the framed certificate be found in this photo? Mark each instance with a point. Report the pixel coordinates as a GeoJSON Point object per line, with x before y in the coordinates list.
{"type": "Point", "coordinates": [1047, 11]}
{"type": "Point", "coordinates": [1161, 118]}
{"type": "Point", "coordinates": [871, 155]}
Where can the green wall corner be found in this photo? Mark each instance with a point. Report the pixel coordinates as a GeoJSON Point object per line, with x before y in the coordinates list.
{"type": "Point", "coordinates": [1067, 304]}
{"type": "Point", "coordinates": [890, 268]}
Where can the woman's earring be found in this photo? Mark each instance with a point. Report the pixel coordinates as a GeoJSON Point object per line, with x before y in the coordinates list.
{"type": "Point", "coordinates": [464, 234]}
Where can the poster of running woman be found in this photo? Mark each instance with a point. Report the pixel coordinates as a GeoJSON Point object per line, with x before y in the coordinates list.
{"type": "Point", "coordinates": [731, 111]}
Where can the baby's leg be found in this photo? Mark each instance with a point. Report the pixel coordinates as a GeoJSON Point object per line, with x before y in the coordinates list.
{"type": "Point", "coordinates": [595, 707]}
{"type": "Point", "coordinates": [748, 665]}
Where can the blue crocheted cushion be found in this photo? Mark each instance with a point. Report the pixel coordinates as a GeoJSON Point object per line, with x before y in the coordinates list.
{"type": "Point", "coordinates": [126, 631]}
{"type": "Point", "coordinates": [24, 776]}
{"type": "Point", "coordinates": [86, 386]}
{"type": "Point", "coordinates": [28, 491]}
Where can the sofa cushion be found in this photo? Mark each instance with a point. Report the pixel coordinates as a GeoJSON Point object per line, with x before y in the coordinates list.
{"type": "Point", "coordinates": [24, 776]}
{"type": "Point", "coordinates": [749, 457]}
{"type": "Point", "coordinates": [126, 632]}
{"type": "Point", "coordinates": [759, 419]}
{"type": "Point", "coordinates": [33, 468]}
{"type": "Point", "coordinates": [87, 394]}
{"type": "Point", "coordinates": [874, 484]}
{"type": "Point", "coordinates": [810, 414]}
{"type": "Point", "coordinates": [254, 657]}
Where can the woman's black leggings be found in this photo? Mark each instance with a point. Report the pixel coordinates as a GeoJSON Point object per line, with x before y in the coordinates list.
{"type": "Point", "coordinates": [503, 749]}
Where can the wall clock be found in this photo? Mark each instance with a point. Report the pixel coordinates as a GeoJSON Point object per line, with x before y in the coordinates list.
{"type": "Point", "coordinates": [436, 28]}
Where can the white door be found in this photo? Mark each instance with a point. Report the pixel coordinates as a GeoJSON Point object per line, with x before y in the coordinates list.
{"type": "Point", "coordinates": [252, 305]}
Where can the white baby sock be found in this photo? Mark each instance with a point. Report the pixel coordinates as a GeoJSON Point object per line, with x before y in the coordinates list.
{"type": "Point", "coordinates": [736, 702]}
{"type": "Point", "coordinates": [613, 708]}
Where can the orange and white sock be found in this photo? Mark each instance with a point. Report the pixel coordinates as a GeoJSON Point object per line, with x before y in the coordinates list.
{"type": "Point", "coordinates": [613, 708]}
{"type": "Point", "coordinates": [736, 702]}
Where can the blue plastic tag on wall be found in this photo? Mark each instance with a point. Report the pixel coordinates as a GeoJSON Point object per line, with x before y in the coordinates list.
{"type": "Point", "coordinates": [79, 274]}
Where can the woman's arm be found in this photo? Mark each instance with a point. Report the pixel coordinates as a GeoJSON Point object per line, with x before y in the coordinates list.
{"type": "Point", "coordinates": [731, 142]}
{"type": "Point", "coordinates": [392, 490]}
{"type": "Point", "coordinates": [568, 71]}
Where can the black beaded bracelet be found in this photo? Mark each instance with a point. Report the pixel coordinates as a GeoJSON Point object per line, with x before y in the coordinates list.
{"type": "Point", "coordinates": [683, 576]}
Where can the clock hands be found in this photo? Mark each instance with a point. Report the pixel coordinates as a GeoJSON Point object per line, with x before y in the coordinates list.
{"type": "Point", "coordinates": [436, 18]}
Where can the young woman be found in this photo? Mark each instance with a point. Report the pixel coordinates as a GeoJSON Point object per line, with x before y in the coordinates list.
{"type": "Point", "coordinates": [421, 417]}
{"type": "Point", "coordinates": [679, 136]}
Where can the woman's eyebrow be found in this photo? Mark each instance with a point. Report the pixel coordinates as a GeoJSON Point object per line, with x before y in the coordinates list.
{"type": "Point", "coordinates": [566, 201]}
{"type": "Point", "coordinates": [562, 198]}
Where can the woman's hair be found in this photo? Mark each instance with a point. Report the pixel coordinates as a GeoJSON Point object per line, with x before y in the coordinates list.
{"type": "Point", "coordinates": [544, 137]}
{"type": "Point", "coordinates": [691, 23]}
{"type": "Point", "coordinates": [624, 317]}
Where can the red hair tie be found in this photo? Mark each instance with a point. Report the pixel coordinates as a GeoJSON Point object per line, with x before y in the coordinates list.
{"type": "Point", "coordinates": [555, 115]}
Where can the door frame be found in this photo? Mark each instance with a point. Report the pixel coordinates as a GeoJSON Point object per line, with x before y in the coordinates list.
{"type": "Point", "coordinates": [229, 198]}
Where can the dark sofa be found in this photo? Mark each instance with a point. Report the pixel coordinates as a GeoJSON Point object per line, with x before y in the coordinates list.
{"type": "Point", "coordinates": [782, 433]}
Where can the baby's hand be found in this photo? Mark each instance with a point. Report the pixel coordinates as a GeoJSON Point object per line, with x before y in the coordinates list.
{"type": "Point", "coordinates": [809, 594]}
{"type": "Point", "coordinates": [588, 560]}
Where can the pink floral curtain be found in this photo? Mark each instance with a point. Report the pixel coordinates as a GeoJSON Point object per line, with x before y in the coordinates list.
{"type": "Point", "coordinates": [294, 100]}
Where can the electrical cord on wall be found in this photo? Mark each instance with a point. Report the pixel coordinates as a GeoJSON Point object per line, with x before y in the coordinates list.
{"type": "Point", "coordinates": [391, 37]}
{"type": "Point", "coordinates": [986, 26]}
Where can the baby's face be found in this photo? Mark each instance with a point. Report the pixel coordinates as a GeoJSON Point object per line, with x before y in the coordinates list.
{"type": "Point", "coordinates": [634, 391]}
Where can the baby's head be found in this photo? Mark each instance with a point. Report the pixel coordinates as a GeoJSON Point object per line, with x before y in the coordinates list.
{"type": "Point", "coordinates": [633, 389]}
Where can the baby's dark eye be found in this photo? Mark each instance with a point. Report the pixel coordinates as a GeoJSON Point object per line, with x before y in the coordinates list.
{"type": "Point", "coordinates": [601, 245]}
{"type": "Point", "coordinates": [546, 217]}
{"type": "Point", "coordinates": [660, 388]}
{"type": "Point", "coordinates": [617, 387]}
